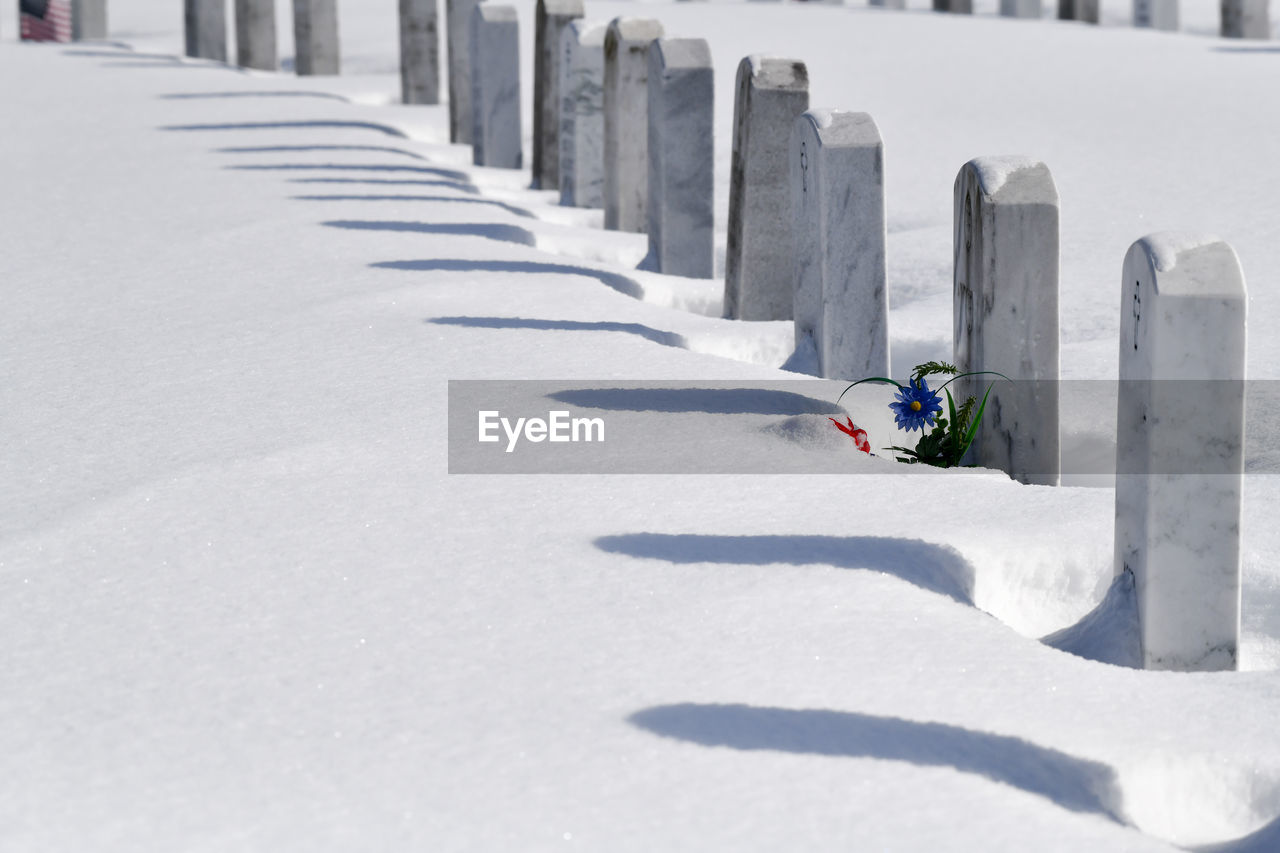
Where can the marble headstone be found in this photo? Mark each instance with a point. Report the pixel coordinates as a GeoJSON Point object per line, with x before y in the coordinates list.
{"type": "Point", "coordinates": [760, 257]}
{"type": "Point", "coordinates": [1006, 311]}
{"type": "Point", "coordinates": [962, 6]}
{"type": "Point", "coordinates": [1022, 8]}
{"type": "Point", "coordinates": [256, 34]}
{"type": "Point", "coordinates": [1156, 14]}
{"type": "Point", "coordinates": [890, 4]}
{"type": "Point", "coordinates": [495, 86]}
{"type": "Point", "coordinates": [551, 19]}
{"type": "Point", "coordinates": [1180, 447]}
{"type": "Point", "coordinates": [315, 36]}
{"type": "Point", "coordinates": [1246, 19]}
{"type": "Point", "coordinates": [419, 52]}
{"type": "Point", "coordinates": [626, 121]}
{"type": "Point", "coordinates": [841, 306]}
{"type": "Point", "coordinates": [206, 29]}
{"type": "Point", "coordinates": [582, 114]}
{"type": "Point", "coordinates": [458, 56]}
{"type": "Point", "coordinates": [1078, 10]}
{"type": "Point", "coordinates": [680, 213]}
{"type": "Point", "coordinates": [88, 19]}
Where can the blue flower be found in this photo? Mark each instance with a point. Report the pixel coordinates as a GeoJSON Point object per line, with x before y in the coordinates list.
{"type": "Point", "coordinates": [916, 405]}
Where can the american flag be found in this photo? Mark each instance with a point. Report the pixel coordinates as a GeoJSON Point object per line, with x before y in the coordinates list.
{"type": "Point", "coordinates": [45, 20]}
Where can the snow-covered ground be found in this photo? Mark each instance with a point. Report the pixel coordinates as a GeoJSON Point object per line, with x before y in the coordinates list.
{"type": "Point", "coordinates": [246, 607]}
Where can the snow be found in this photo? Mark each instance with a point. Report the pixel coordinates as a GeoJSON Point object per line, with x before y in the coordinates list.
{"type": "Point", "coordinates": [1166, 246]}
{"type": "Point", "coordinates": [246, 607]}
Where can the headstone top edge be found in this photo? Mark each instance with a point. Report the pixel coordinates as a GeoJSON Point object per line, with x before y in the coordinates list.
{"type": "Point", "coordinates": [683, 53]}
{"type": "Point", "coordinates": [777, 72]}
{"type": "Point", "coordinates": [838, 128]}
{"type": "Point", "coordinates": [1013, 174]}
{"type": "Point", "coordinates": [495, 13]}
{"type": "Point", "coordinates": [588, 31]}
{"type": "Point", "coordinates": [563, 8]}
{"type": "Point", "coordinates": [635, 29]}
{"type": "Point", "coordinates": [1191, 264]}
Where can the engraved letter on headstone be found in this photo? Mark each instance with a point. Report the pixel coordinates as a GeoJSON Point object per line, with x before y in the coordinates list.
{"type": "Point", "coordinates": [1006, 311]}
{"type": "Point", "coordinates": [837, 190]}
{"type": "Point", "coordinates": [1180, 447]}
{"type": "Point", "coordinates": [760, 257]}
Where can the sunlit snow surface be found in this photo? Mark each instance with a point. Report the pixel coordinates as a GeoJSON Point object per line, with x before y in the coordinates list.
{"type": "Point", "coordinates": [246, 608]}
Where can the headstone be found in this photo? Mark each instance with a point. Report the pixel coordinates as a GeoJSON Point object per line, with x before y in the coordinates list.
{"type": "Point", "coordinates": [495, 86]}
{"type": "Point", "coordinates": [582, 114]}
{"type": "Point", "coordinates": [315, 36]}
{"type": "Point", "coordinates": [1156, 14]}
{"type": "Point", "coordinates": [256, 34]}
{"type": "Point", "coordinates": [626, 121]}
{"type": "Point", "coordinates": [1022, 8]}
{"type": "Point", "coordinates": [1246, 19]}
{"type": "Point", "coordinates": [458, 23]}
{"type": "Point", "coordinates": [1006, 311]}
{"type": "Point", "coordinates": [760, 257]}
{"type": "Point", "coordinates": [890, 4]}
{"type": "Point", "coordinates": [681, 215]}
{"type": "Point", "coordinates": [205, 26]}
{"type": "Point", "coordinates": [419, 52]}
{"type": "Point", "coordinates": [88, 19]}
{"type": "Point", "coordinates": [1078, 10]}
{"type": "Point", "coordinates": [837, 189]}
{"type": "Point", "coordinates": [1180, 447]}
{"type": "Point", "coordinates": [550, 21]}
{"type": "Point", "coordinates": [961, 6]}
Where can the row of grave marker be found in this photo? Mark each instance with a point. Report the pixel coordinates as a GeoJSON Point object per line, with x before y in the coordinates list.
{"type": "Point", "coordinates": [1239, 18]}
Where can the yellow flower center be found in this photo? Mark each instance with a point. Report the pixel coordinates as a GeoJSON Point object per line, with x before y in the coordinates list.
{"type": "Point", "coordinates": [915, 405]}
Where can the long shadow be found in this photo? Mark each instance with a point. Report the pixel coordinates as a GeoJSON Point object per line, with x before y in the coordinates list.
{"type": "Point", "coordinates": [270, 149]}
{"type": "Point", "coordinates": [350, 167]}
{"type": "Point", "coordinates": [487, 230]}
{"type": "Point", "coordinates": [509, 208]}
{"type": "Point", "coordinates": [932, 567]}
{"type": "Point", "coordinates": [620, 283]}
{"type": "Point", "coordinates": [716, 401]}
{"type": "Point", "coordinates": [1246, 49]}
{"type": "Point", "coordinates": [668, 339]}
{"type": "Point", "coordinates": [119, 54]}
{"type": "Point", "coordinates": [1075, 784]}
{"type": "Point", "coordinates": [192, 96]}
{"type": "Point", "coordinates": [315, 124]}
{"type": "Point", "coordinates": [389, 182]}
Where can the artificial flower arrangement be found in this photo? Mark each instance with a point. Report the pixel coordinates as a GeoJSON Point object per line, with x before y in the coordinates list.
{"type": "Point", "coordinates": [916, 406]}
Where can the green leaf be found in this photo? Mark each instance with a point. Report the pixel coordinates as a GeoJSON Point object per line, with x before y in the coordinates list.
{"type": "Point", "coordinates": [932, 368]}
{"type": "Point", "coordinates": [880, 379]}
{"type": "Point", "coordinates": [973, 427]}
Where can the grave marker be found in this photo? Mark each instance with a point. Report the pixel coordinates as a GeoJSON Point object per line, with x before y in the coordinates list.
{"type": "Point", "coordinates": [552, 18]}
{"type": "Point", "coordinates": [88, 19]}
{"type": "Point", "coordinates": [419, 52]}
{"type": "Point", "coordinates": [680, 212]}
{"type": "Point", "coordinates": [495, 86]}
{"type": "Point", "coordinates": [1022, 8]}
{"type": "Point", "coordinates": [890, 4]}
{"type": "Point", "coordinates": [626, 121]}
{"type": "Point", "coordinates": [205, 29]}
{"type": "Point", "coordinates": [1180, 447]}
{"type": "Point", "coordinates": [582, 114]}
{"type": "Point", "coordinates": [962, 6]}
{"type": "Point", "coordinates": [1006, 311]}
{"type": "Point", "coordinates": [1156, 14]}
{"type": "Point", "coordinates": [760, 257]}
{"type": "Point", "coordinates": [256, 34]}
{"type": "Point", "coordinates": [841, 306]}
{"type": "Point", "coordinates": [315, 37]}
{"type": "Point", "coordinates": [1246, 19]}
{"type": "Point", "coordinates": [458, 24]}
{"type": "Point", "coordinates": [1078, 10]}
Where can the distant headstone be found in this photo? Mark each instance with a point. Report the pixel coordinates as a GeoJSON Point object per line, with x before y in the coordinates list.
{"type": "Point", "coordinates": [961, 6]}
{"type": "Point", "coordinates": [419, 52]}
{"type": "Point", "coordinates": [841, 305]}
{"type": "Point", "coordinates": [206, 29]}
{"type": "Point", "coordinates": [1078, 10]}
{"type": "Point", "coordinates": [1180, 447]}
{"type": "Point", "coordinates": [495, 86]}
{"type": "Point", "coordinates": [458, 32]}
{"type": "Point", "coordinates": [551, 19]}
{"type": "Point", "coordinates": [626, 121]}
{"type": "Point", "coordinates": [1006, 311]}
{"type": "Point", "coordinates": [315, 37]}
{"type": "Point", "coordinates": [256, 34]}
{"type": "Point", "coordinates": [890, 4]}
{"type": "Point", "coordinates": [1156, 14]}
{"type": "Point", "coordinates": [88, 19]}
{"type": "Point", "coordinates": [582, 114]}
{"type": "Point", "coordinates": [760, 257]}
{"type": "Point", "coordinates": [1246, 19]}
{"type": "Point", "coordinates": [1022, 8]}
{"type": "Point", "coordinates": [680, 214]}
